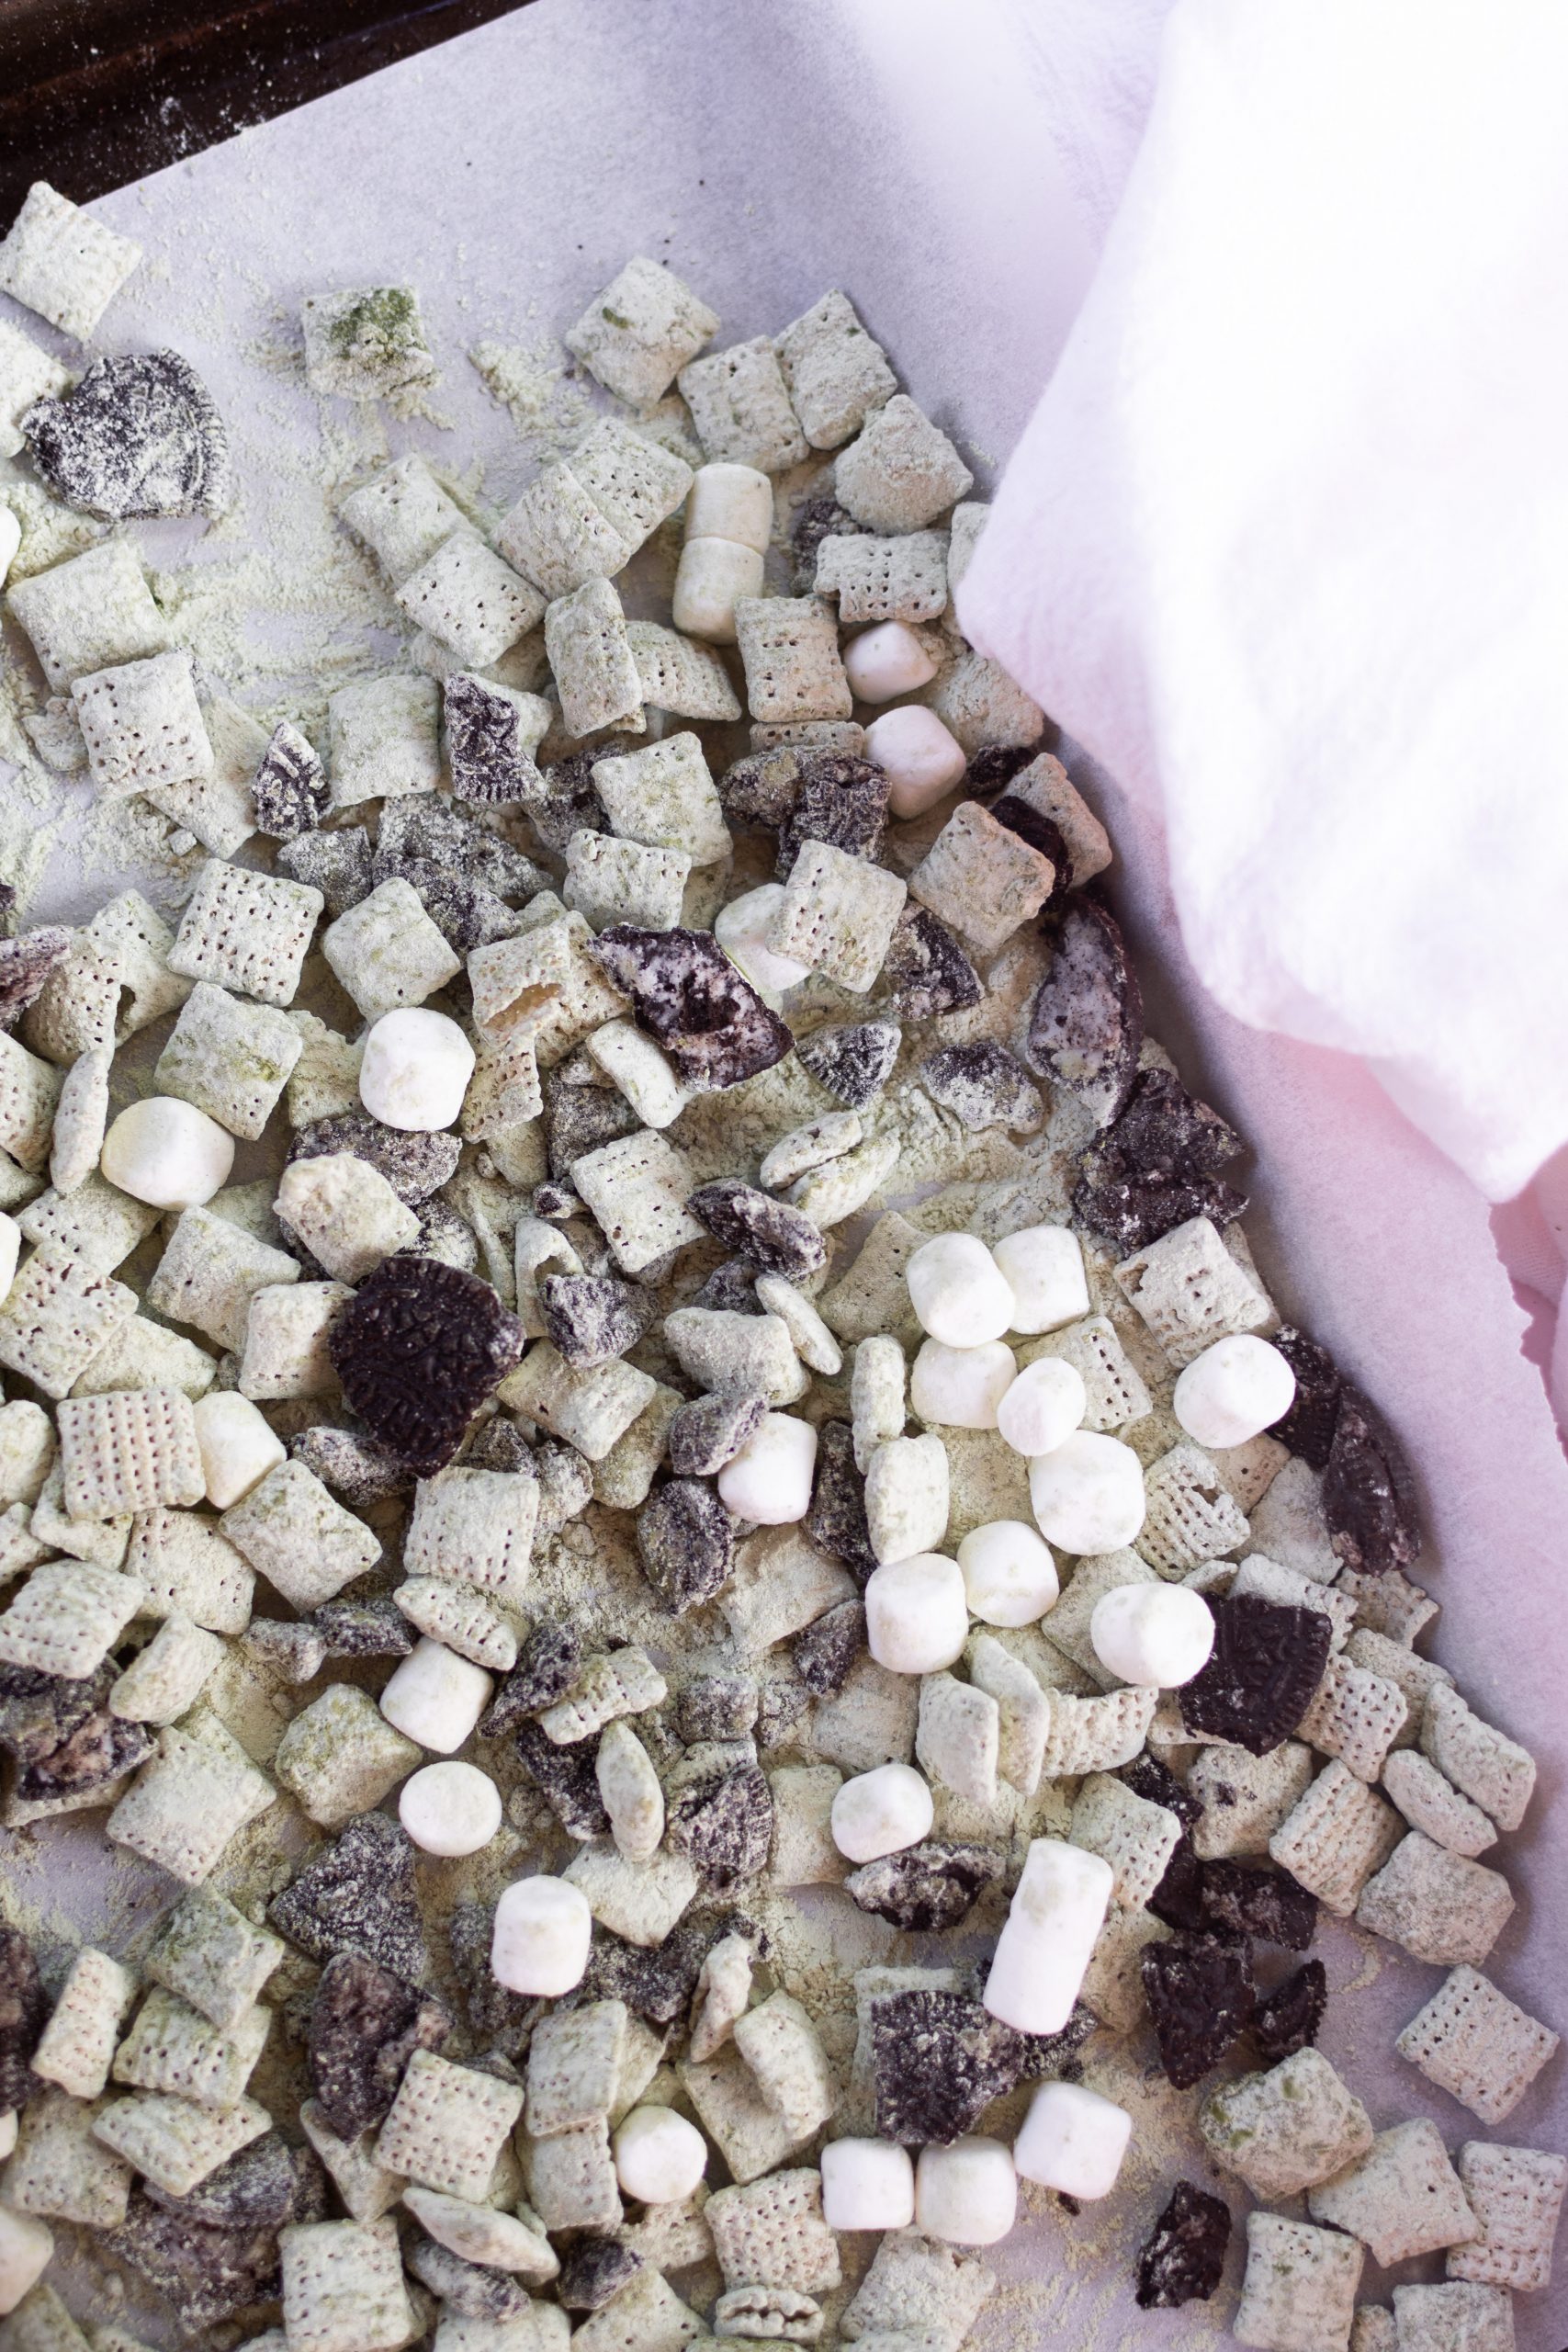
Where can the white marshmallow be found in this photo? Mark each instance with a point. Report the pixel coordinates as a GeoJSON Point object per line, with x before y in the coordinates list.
{"type": "Point", "coordinates": [1009, 1576]}
{"type": "Point", "coordinates": [881, 1812]}
{"type": "Point", "coordinates": [923, 760]}
{"type": "Point", "coordinates": [1088, 1494]}
{"type": "Point", "coordinates": [416, 1070]}
{"type": "Point", "coordinates": [450, 1808]}
{"type": "Point", "coordinates": [1044, 1404]}
{"type": "Point", "coordinates": [660, 2157]}
{"type": "Point", "coordinates": [769, 1481]}
{"type": "Point", "coordinates": [962, 1387]}
{"type": "Point", "coordinates": [958, 1292]}
{"type": "Point", "coordinates": [1056, 1914]}
{"type": "Point", "coordinates": [237, 1445]}
{"type": "Point", "coordinates": [867, 2185]}
{"type": "Point", "coordinates": [1234, 1391]}
{"type": "Point", "coordinates": [966, 2194]}
{"type": "Point", "coordinates": [741, 930]}
{"type": "Point", "coordinates": [887, 660]}
{"type": "Point", "coordinates": [1043, 1265]}
{"type": "Point", "coordinates": [731, 502]}
{"type": "Point", "coordinates": [435, 1697]}
{"type": "Point", "coordinates": [539, 1944]}
{"type": "Point", "coordinates": [167, 1153]}
{"type": "Point", "coordinates": [916, 1613]}
{"type": "Point", "coordinates": [26, 2247]}
{"type": "Point", "coordinates": [710, 580]}
{"type": "Point", "coordinates": [1159, 1636]}
{"type": "Point", "coordinates": [1072, 2141]}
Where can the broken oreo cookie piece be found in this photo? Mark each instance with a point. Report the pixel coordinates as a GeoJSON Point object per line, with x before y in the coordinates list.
{"type": "Point", "coordinates": [1183, 2260]}
{"type": "Point", "coordinates": [687, 994]}
{"type": "Point", "coordinates": [711, 1430]}
{"type": "Point", "coordinates": [548, 1664]}
{"type": "Point", "coordinates": [567, 1777]}
{"type": "Point", "coordinates": [836, 1521]}
{"type": "Point", "coordinates": [336, 863]}
{"type": "Point", "coordinates": [776, 1237]}
{"type": "Point", "coordinates": [925, 971]}
{"type": "Point", "coordinates": [24, 2012]}
{"type": "Point", "coordinates": [1288, 2019]}
{"type": "Point", "coordinates": [938, 2061]}
{"type": "Point", "coordinates": [1369, 1495]}
{"type": "Point", "coordinates": [1268, 1906]}
{"type": "Point", "coordinates": [138, 436]}
{"type": "Point", "coordinates": [1307, 1430]}
{"type": "Point", "coordinates": [1157, 1166]}
{"type": "Point", "coordinates": [687, 1539]}
{"type": "Point", "coordinates": [839, 800]}
{"type": "Point", "coordinates": [1085, 1024]}
{"type": "Point", "coordinates": [365, 2025]}
{"type": "Point", "coordinates": [1201, 1996]}
{"type": "Point", "coordinates": [25, 967]}
{"type": "Point", "coordinates": [416, 1165]}
{"type": "Point", "coordinates": [359, 1896]}
{"type": "Point", "coordinates": [590, 1318]}
{"type": "Point", "coordinates": [817, 517]}
{"type": "Point", "coordinates": [927, 1888]}
{"type": "Point", "coordinates": [418, 1349]}
{"type": "Point", "coordinates": [983, 1086]}
{"type": "Point", "coordinates": [485, 751]}
{"type": "Point", "coordinates": [723, 1823]}
{"type": "Point", "coordinates": [288, 791]}
{"type": "Point", "coordinates": [853, 1062]}
{"type": "Point", "coordinates": [1266, 1664]}
{"type": "Point", "coordinates": [827, 1648]}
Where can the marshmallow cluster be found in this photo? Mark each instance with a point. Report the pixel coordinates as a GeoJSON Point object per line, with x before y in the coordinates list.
{"type": "Point", "coordinates": [729, 520]}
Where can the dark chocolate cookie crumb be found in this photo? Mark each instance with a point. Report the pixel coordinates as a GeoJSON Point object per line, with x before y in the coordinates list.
{"type": "Point", "coordinates": [817, 517]}
{"type": "Point", "coordinates": [711, 1430]}
{"type": "Point", "coordinates": [567, 1777]}
{"type": "Point", "coordinates": [1267, 1905]}
{"type": "Point", "coordinates": [577, 1119]}
{"type": "Point", "coordinates": [138, 436]}
{"type": "Point", "coordinates": [1368, 1493]}
{"type": "Point", "coordinates": [826, 1650]}
{"type": "Point", "coordinates": [336, 863]}
{"type": "Point", "coordinates": [418, 1349]}
{"type": "Point", "coordinates": [1041, 832]}
{"type": "Point", "coordinates": [1178, 1898]}
{"type": "Point", "coordinates": [259, 2188]}
{"type": "Point", "coordinates": [289, 790]}
{"type": "Point", "coordinates": [1267, 1662]}
{"type": "Point", "coordinates": [925, 970]}
{"type": "Point", "coordinates": [1201, 1996]}
{"type": "Point", "coordinates": [1183, 2260]}
{"type": "Point", "coordinates": [24, 2011]}
{"type": "Point", "coordinates": [1147, 1777]}
{"type": "Point", "coordinates": [657, 1984]}
{"type": "Point", "coordinates": [1289, 2020]}
{"type": "Point", "coordinates": [687, 1539]}
{"type": "Point", "coordinates": [854, 1061]}
{"type": "Point", "coordinates": [471, 2290]}
{"type": "Point", "coordinates": [548, 1664]}
{"type": "Point", "coordinates": [484, 742]}
{"type": "Point", "coordinates": [503, 2021]}
{"type": "Point", "coordinates": [687, 993]}
{"type": "Point", "coordinates": [723, 1822]}
{"type": "Point", "coordinates": [365, 2025]}
{"type": "Point", "coordinates": [593, 2270]}
{"type": "Point", "coordinates": [983, 1086]}
{"type": "Point", "coordinates": [731, 1288]}
{"type": "Point", "coordinates": [779, 1239]}
{"type": "Point", "coordinates": [938, 2061]}
{"type": "Point", "coordinates": [1086, 1026]}
{"type": "Point", "coordinates": [426, 828]}
{"type": "Point", "coordinates": [1307, 1430]}
{"type": "Point", "coordinates": [25, 967]}
{"type": "Point", "coordinates": [994, 765]}
{"type": "Point", "coordinates": [355, 1467]}
{"type": "Point", "coordinates": [1157, 1166]}
{"type": "Point", "coordinates": [358, 1895]}
{"type": "Point", "coordinates": [102, 1748]}
{"type": "Point", "coordinates": [205, 2275]}
{"type": "Point", "coordinates": [926, 1888]}
{"type": "Point", "coordinates": [760, 791]}
{"type": "Point", "coordinates": [836, 1521]}
{"type": "Point", "coordinates": [590, 1319]}
{"type": "Point", "coordinates": [39, 1711]}
{"type": "Point", "coordinates": [375, 1628]}
{"type": "Point", "coordinates": [840, 800]}
{"type": "Point", "coordinates": [414, 1165]}
{"type": "Point", "coordinates": [716, 1706]}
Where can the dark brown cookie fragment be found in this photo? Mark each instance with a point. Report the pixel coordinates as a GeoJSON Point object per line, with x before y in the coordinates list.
{"type": "Point", "coordinates": [994, 765]}
{"type": "Point", "coordinates": [925, 971]}
{"type": "Point", "coordinates": [840, 800]}
{"type": "Point", "coordinates": [471, 2290]}
{"type": "Point", "coordinates": [1289, 2020]}
{"type": "Point", "coordinates": [1368, 1493]}
{"type": "Point", "coordinates": [25, 967]}
{"type": "Point", "coordinates": [687, 993]}
{"type": "Point", "coordinates": [926, 1888]}
{"type": "Point", "coordinates": [826, 1650]}
{"type": "Point", "coordinates": [502, 2020]}
{"type": "Point", "coordinates": [1178, 1898]}
{"type": "Point", "coordinates": [484, 744]}
{"type": "Point", "coordinates": [99, 1751]}
{"type": "Point", "coordinates": [566, 1778]}
{"type": "Point", "coordinates": [1157, 1166]}
{"type": "Point", "coordinates": [336, 863]}
{"type": "Point", "coordinates": [365, 2025]}
{"type": "Point", "coordinates": [657, 1984]}
{"type": "Point", "coordinates": [711, 1430]}
{"type": "Point", "coordinates": [205, 2275]}
{"type": "Point", "coordinates": [836, 1521]}
{"type": "Point", "coordinates": [777, 1238]}
{"type": "Point", "coordinates": [760, 791]}
{"type": "Point", "coordinates": [1041, 832]}
{"type": "Point", "coordinates": [577, 1119]}
{"type": "Point", "coordinates": [39, 1711]}
{"type": "Point", "coordinates": [1201, 1996]}
{"type": "Point", "coordinates": [1183, 2260]}
{"type": "Point", "coordinates": [716, 1706]}
{"type": "Point", "coordinates": [24, 2011]}
{"type": "Point", "coordinates": [556, 1202]}
{"type": "Point", "coordinates": [590, 1319]}
{"type": "Point", "coordinates": [363, 1629]}
{"type": "Point", "coordinates": [138, 436]}
{"type": "Point", "coordinates": [1307, 1430]}
{"type": "Point", "coordinates": [1147, 1777]}
{"type": "Point", "coordinates": [686, 1540]}
{"type": "Point", "coordinates": [464, 913]}
{"type": "Point", "coordinates": [1086, 1026]}
{"type": "Point", "coordinates": [547, 1665]}
{"type": "Point", "coordinates": [853, 1062]}
{"type": "Point", "coordinates": [723, 1823]}
{"type": "Point", "coordinates": [355, 1467]}
{"type": "Point", "coordinates": [817, 517]}
{"type": "Point", "coordinates": [418, 1349]}
{"type": "Point", "coordinates": [593, 2270]}
{"type": "Point", "coordinates": [358, 1895]}
{"type": "Point", "coordinates": [569, 802]}
{"type": "Point", "coordinates": [259, 2189]}
{"type": "Point", "coordinates": [1051, 2057]}
{"type": "Point", "coordinates": [288, 791]}
{"type": "Point", "coordinates": [731, 1288]}
{"type": "Point", "coordinates": [938, 2061]}
{"type": "Point", "coordinates": [1267, 1662]}
{"type": "Point", "coordinates": [983, 1086]}
{"type": "Point", "coordinates": [425, 827]}
{"type": "Point", "coordinates": [414, 1165]}
{"type": "Point", "coordinates": [1267, 1905]}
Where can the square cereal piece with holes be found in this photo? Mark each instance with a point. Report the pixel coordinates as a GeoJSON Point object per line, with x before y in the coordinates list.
{"type": "Point", "coordinates": [96, 1223]}
{"type": "Point", "coordinates": [1477, 2045]}
{"type": "Point", "coordinates": [59, 261]}
{"type": "Point", "coordinates": [231, 1059]}
{"type": "Point", "coordinates": [781, 2046]}
{"type": "Point", "coordinates": [114, 981]}
{"type": "Point", "coordinates": [212, 1956]}
{"type": "Point", "coordinates": [634, 481]}
{"type": "Point", "coordinates": [574, 2063]}
{"type": "Point", "coordinates": [1246, 1798]}
{"type": "Point", "coordinates": [129, 1450]}
{"type": "Point", "coordinates": [918, 2288]}
{"type": "Point", "coordinates": [206, 1277]}
{"type": "Point", "coordinates": [340, 1756]}
{"type": "Point", "coordinates": [965, 525]}
{"type": "Point", "coordinates": [504, 1092]}
{"type": "Point", "coordinates": [883, 580]}
{"type": "Point", "coordinates": [838, 915]}
{"type": "Point", "coordinates": [679, 675]}
{"type": "Point", "coordinates": [364, 342]}
{"type": "Point", "coordinates": [470, 600]}
{"type": "Point", "coordinates": [553, 970]}
{"type": "Point", "coordinates": [663, 796]}
{"type": "Point", "coordinates": [1112, 1987]}
{"type": "Point", "coordinates": [591, 660]}
{"type": "Point", "coordinates": [1286, 2129]}
{"type": "Point", "coordinates": [385, 739]}
{"type": "Point", "coordinates": [78, 2044]}
{"type": "Point", "coordinates": [325, 1079]}
{"type": "Point", "coordinates": [740, 406]}
{"type": "Point", "coordinates": [189, 1799]}
{"type": "Point", "coordinates": [1434, 1807]}
{"type": "Point", "coordinates": [66, 1618]}
{"type": "Point", "coordinates": [981, 879]}
{"type": "Point", "coordinates": [1191, 1290]}
{"type": "Point", "coordinates": [294, 1532]}
{"type": "Point", "coordinates": [93, 611]}
{"type": "Point", "coordinates": [286, 1340]}
{"type": "Point", "coordinates": [366, 2191]}
{"type": "Point", "coordinates": [1271, 1580]}
{"type": "Point", "coordinates": [219, 808]}
{"type": "Point", "coordinates": [1402, 2198]}
{"type": "Point", "coordinates": [646, 2316]}
{"type": "Point", "coordinates": [834, 371]}
{"type": "Point", "coordinates": [640, 330]}
{"type": "Point", "coordinates": [402, 516]}
{"type": "Point", "coordinates": [636, 1188]}
{"type": "Point", "coordinates": [189, 1569]}
{"type": "Point", "coordinates": [591, 1408]}
{"type": "Point", "coordinates": [142, 725]}
{"type": "Point", "coordinates": [1299, 2294]}
{"type": "Point", "coordinates": [621, 881]}
{"type": "Point", "coordinates": [902, 472]}
{"type": "Point", "coordinates": [640, 1902]}
{"type": "Point", "coordinates": [165, 1681]}
{"type": "Point", "coordinates": [1335, 1837]}
{"type": "Point", "coordinates": [1189, 1518]}
{"type": "Point", "coordinates": [789, 648]}
{"type": "Point", "coordinates": [772, 2234]}
{"type": "Point", "coordinates": [1045, 786]}
{"type": "Point", "coordinates": [102, 1541]}
{"type": "Point", "coordinates": [1354, 1715]}
{"type": "Point", "coordinates": [1516, 2194]}
{"type": "Point", "coordinates": [978, 704]}
{"type": "Point", "coordinates": [61, 2172]}
{"type": "Point", "coordinates": [1023, 1713]}
{"type": "Point", "coordinates": [29, 1093]}
{"type": "Point", "coordinates": [28, 373]}
{"type": "Point", "coordinates": [557, 535]}
{"type": "Point", "coordinates": [173, 2048]}
{"type": "Point", "coordinates": [1436, 1906]}
{"type": "Point", "coordinates": [474, 1527]}
{"type": "Point", "coordinates": [246, 932]}
{"type": "Point", "coordinates": [343, 2289]}
{"type": "Point", "coordinates": [447, 2126]}
{"type": "Point", "coordinates": [1095, 1734]}
{"type": "Point", "coordinates": [1135, 1837]}
{"type": "Point", "coordinates": [174, 2143]}
{"type": "Point", "coordinates": [803, 1853]}
{"type": "Point", "coordinates": [387, 952]}
{"type": "Point", "coordinates": [55, 1318]}
{"type": "Point", "coordinates": [1494, 1771]}
{"type": "Point", "coordinates": [1453, 2318]}
{"type": "Point", "coordinates": [752, 2136]}
{"type": "Point", "coordinates": [571, 2178]}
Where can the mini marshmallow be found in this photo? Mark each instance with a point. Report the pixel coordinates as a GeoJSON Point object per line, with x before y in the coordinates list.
{"type": "Point", "coordinates": [731, 502]}
{"type": "Point", "coordinates": [416, 1070]}
{"type": "Point", "coordinates": [922, 761]}
{"type": "Point", "coordinates": [710, 580]}
{"type": "Point", "coordinates": [741, 929]}
{"type": "Point", "coordinates": [1234, 1391]}
{"type": "Point", "coordinates": [660, 2157]}
{"type": "Point", "coordinates": [1088, 1494]}
{"type": "Point", "coordinates": [450, 1808]}
{"type": "Point", "coordinates": [1010, 1577]}
{"type": "Point", "coordinates": [539, 1944]}
{"type": "Point", "coordinates": [966, 2194]}
{"type": "Point", "coordinates": [1042, 1407]}
{"type": "Point", "coordinates": [881, 1812]}
{"type": "Point", "coordinates": [167, 1153]}
{"type": "Point", "coordinates": [867, 2185]}
{"type": "Point", "coordinates": [1072, 2141]}
{"type": "Point", "coordinates": [769, 1481]}
{"type": "Point", "coordinates": [1055, 1919]}
{"type": "Point", "coordinates": [1043, 1265]}
{"type": "Point", "coordinates": [1158, 1635]}
{"type": "Point", "coordinates": [916, 1613]}
{"type": "Point", "coordinates": [958, 1292]}
{"type": "Point", "coordinates": [887, 661]}
{"type": "Point", "coordinates": [237, 1444]}
{"type": "Point", "coordinates": [435, 1697]}
{"type": "Point", "coordinates": [962, 1387]}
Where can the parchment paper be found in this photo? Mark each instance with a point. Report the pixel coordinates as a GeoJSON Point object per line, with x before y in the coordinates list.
{"type": "Point", "coordinates": [767, 154]}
